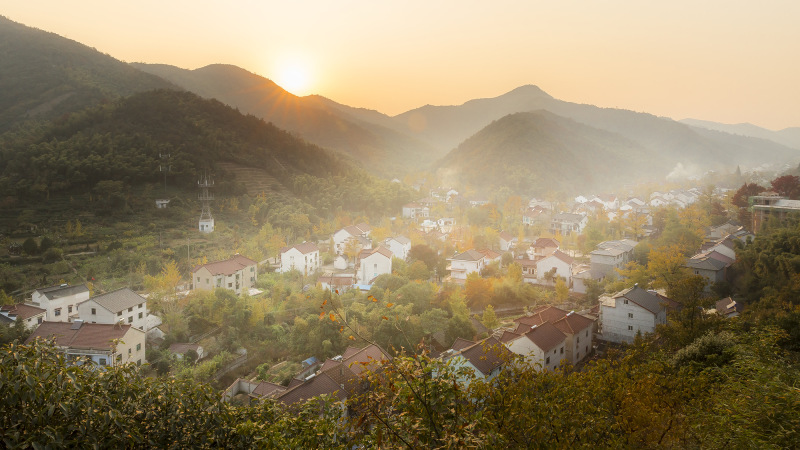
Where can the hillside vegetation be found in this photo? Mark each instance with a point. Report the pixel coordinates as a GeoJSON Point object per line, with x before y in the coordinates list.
{"type": "Point", "coordinates": [320, 121]}
{"type": "Point", "coordinates": [43, 75]}
{"type": "Point", "coordinates": [538, 151]}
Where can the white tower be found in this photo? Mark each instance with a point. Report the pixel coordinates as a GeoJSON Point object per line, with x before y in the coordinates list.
{"type": "Point", "coordinates": [206, 224]}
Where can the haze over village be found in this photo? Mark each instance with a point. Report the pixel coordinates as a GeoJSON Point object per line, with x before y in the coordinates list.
{"type": "Point", "coordinates": [586, 236]}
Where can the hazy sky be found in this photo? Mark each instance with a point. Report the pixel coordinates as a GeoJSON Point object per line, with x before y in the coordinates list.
{"type": "Point", "coordinates": [728, 61]}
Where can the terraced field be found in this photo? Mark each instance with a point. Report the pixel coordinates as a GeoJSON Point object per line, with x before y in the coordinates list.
{"type": "Point", "coordinates": [255, 180]}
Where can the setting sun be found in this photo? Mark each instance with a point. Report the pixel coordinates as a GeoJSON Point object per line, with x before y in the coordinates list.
{"type": "Point", "coordinates": [294, 76]}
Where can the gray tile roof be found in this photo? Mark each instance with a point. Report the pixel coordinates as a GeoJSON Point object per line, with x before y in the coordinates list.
{"type": "Point", "coordinates": [60, 291]}
{"type": "Point", "coordinates": [643, 298]}
{"type": "Point", "coordinates": [119, 300]}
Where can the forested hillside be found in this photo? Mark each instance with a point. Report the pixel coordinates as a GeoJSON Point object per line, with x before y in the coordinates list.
{"type": "Point", "coordinates": [539, 151]}
{"type": "Point", "coordinates": [121, 142]}
{"type": "Point", "coordinates": [371, 143]}
{"type": "Point", "coordinates": [43, 75]}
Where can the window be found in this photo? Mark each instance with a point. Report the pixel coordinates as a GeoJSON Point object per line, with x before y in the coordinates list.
{"type": "Point", "coordinates": [130, 309]}
{"type": "Point", "coordinates": [579, 339]}
{"type": "Point", "coordinates": [230, 285]}
{"type": "Point", "coordinates": [630, 315]}
{"type": "Point", "coordinates": [625, 301]}
{"type": "Point", "coordinates": [198, 279]}
{"type": "Point", "coordinates": [138, 347]}
{"type": "Point", "coordinates": [39, 320]}
{"type": "Point", "coordinates": [69, 308]}
{"type": "Point", "coordinates": [119, 313]}
{"type": "Point", "coordinates": [94, 311]}
{"type": "Point", "coordinates": [140, 315]}
{"type": "Point", "coordinates": [139, 362]}
{"type": "Point", "coordinates": [119, 358]}
{"type": "Point", "coordinates": [630, 327]}
{"type": "Point", "coordinates": [58, 312]}
{"type": "Point", "coordinates": [103, 361]}
{"type": "Point", "coordinates": [130, 350]}
{"type": "Point", "coordinates": [252, 269]}
{"type": "Point", "coordinates": [587, 333]}
{"type": "Point", "coordinates": [142, 304]}
{"type": "Point", "coordinates": [562, 350]}
{"type": "Point", "coordinates": [547, 361]}
{"type": "Point", "coordinates": [130, 319]}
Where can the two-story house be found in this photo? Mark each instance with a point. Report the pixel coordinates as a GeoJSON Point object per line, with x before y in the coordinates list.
{"type": "Point", "coordinates": [464, 264]}
{"type": "Point", "coordinates": [301, 257]}
{"type": "Point", "coordinates": [578, 330]}
{"type": "Point", "coordinates": [362, 230]}
{"type": "Point", "coordinates": [611, 255]}
{"type": "Point", "coordinates": [237, 274]}
{"type": "Point", "coordinates": [485, 358]}
{"type": "Point", "coordinates": [60, 301]}
{"type": "Point", "coordinates": [102, 344]}
{"type": "Point", "coordinates": [559, 264]}
{"type": "Point", "coordinates": [31, 316]}
{"type": "Point", "coordinates": [542, 345]}
{"type": "Point", "coordinates": [568, 223]}
{"type": "Point", "coordinates": [122, 305]}
{"type": "Point", "coordinates": [634, 310]}
{"type": "Point", "coordinates": [372, 263]}
{"type": "Point", "coordinates": [399, 246]}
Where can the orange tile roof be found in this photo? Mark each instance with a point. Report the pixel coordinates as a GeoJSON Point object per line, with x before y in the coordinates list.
{"type": "Point", "coordinates": [228, 266]}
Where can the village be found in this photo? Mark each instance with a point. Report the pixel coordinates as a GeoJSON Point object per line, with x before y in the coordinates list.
{"type": "Point", "coordinates": [579, 318]}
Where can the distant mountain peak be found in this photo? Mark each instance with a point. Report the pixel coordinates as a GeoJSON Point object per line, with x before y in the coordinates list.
{"type": "Point", "coordinates": [528, 89]}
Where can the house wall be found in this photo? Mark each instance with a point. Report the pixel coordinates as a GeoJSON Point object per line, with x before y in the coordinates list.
{"type": "Point", "coordinates": [398, 250]}
{"type": "Point", "coordinates": [619, 327]}
{"type": "Point", "coordinates": [61, 305]}
{"type": "Point", "coordinates": [535, 356]}
{"type": "Point", "coordinates": [241, 280]}
{"type": "Point", "coordinates": [372, 266]}
{"type": "Point", "coordinates": [138, 314]}
{"type": "Point", "coordinates": [339, 239]}
{"type": "Point", "coordinates": [129, 349]}
{"type": "Point", "coordinates": [460, 269]}
{"type": "Point", "coordinates": [713, 276]}
{"type": "Point", "coordinates": [578, 345]}
{"type": "Point", "coordinates": [293, 259]}
{"type": "Point", "coordinates": [562, 269]}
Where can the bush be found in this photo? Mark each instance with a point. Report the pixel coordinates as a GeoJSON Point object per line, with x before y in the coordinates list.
{"type": "Point", "coordinates": [30, 247]}
{"type": "Point", "coordinates": [52, 255]}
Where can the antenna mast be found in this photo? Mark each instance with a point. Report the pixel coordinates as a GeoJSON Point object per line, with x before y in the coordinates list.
{"type": "Point", "coordinates": [206, 224]}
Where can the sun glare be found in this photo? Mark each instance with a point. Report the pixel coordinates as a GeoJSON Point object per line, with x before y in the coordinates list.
{"type": "Point", "coordinates": [294, 77]}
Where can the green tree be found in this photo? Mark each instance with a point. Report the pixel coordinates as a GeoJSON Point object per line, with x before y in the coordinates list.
{"type": "Point", "coordinates": [489, 318]}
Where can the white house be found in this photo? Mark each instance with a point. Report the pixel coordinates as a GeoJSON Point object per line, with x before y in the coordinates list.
{"type": "Point", "coordinates": [464, 264]}
{"type": "Point", "coordinates": [122, 305]}
{"type": "Point", "coordinates": [542, 247]}
{"type": "Point", "coordinates": [103, 344]}
{"type": "Point", "coordinates": [372, 263]}
{"type": "Point", "coordinates": [632, 311]}
{"type": "Point", "coordinates": [558, 261]}
{"type": "Point", "coordinates": [399, 246]}
{"type": "Point", "coordinates": [568, 223]}
{"type": "Point", "coordinates": [485, 359]}
{"type": "Point", "coordinates": [237, 274]}
{"type": "Point", "coordinates": [31, 316]}
{"type": "Point", "coordinates": [611, 255]}
{"type": "Point", "coordinates": [349, 232]}
{"type": "Point", "coordinates": [414, 210]}
{"type": "Point", "coordinates": [60, 301]}
{"type": "Point", "coordinates": [542, 345]}
{"type": "Point", "coordinates": [507, 241]}
{"type": "Point", "coordinates": [579, 331]}
{"type": "Point", "coordinates": [302, 257]}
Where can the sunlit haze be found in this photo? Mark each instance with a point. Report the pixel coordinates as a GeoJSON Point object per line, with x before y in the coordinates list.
{"type": "Point", "coordinates": [725, 61]}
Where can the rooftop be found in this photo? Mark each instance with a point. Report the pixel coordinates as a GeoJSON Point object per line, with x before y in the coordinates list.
{"type": "Point", "coordinates": [227, 267]}
{"type": "Point", "coordinates": [119, 300]}
{"type": "Point", "coordinates": [87, 336]}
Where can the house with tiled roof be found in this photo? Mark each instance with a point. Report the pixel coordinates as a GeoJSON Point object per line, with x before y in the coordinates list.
{"type": "Point", "coordinates": [122, 305]}
{"type": "Point", "coordinates": [542, 247]}
{"type": "Point", "coordinates": [103, 344]}
{"type": "Point", "coordinates": [485, 358]}
{"type": "Point", "coordinates": [568, 223]}
{"type": "Point", "coordinates": [542, 345]}
{"type": "Point", "coordinates": [558, 264]}
{"type": "Point", "coordinates": [631, 311]}
{"type": "Point", "coordinates": [340, 282]}
{"type": "Point", "coordinates": [490, 256]}
{"type": "Point", "coordinates": [579, 332]}
{"type": "Point", "coordinates": [237, 274]}
{"type": "Point", "coordinates": [338, 377]}
{"type": "Point", "coordinates": [340, 237]}
{"type": "Point", "coordinates": [534, 215]}
{"type": "Point", "coordinates": [611, 255]}
{"type": "Point", "coordinates": [31, 316]}
{"type": "Point", "coordinates": [464, 264]}
{"type": "Point", "coordinates": [507, 241]}
{"type": "Point", "coordinates": [710, 265]}
{"type": "Point", "coordinates": [728, 307]}
{"type": "Point", "coordinates": [399, 246]}
{"type": "Point", "coordinates": [373, 263]}
{"type": "Point", "coordinates": [301, 257]}
{"type": "Point", "coordinates": [60, 301]}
